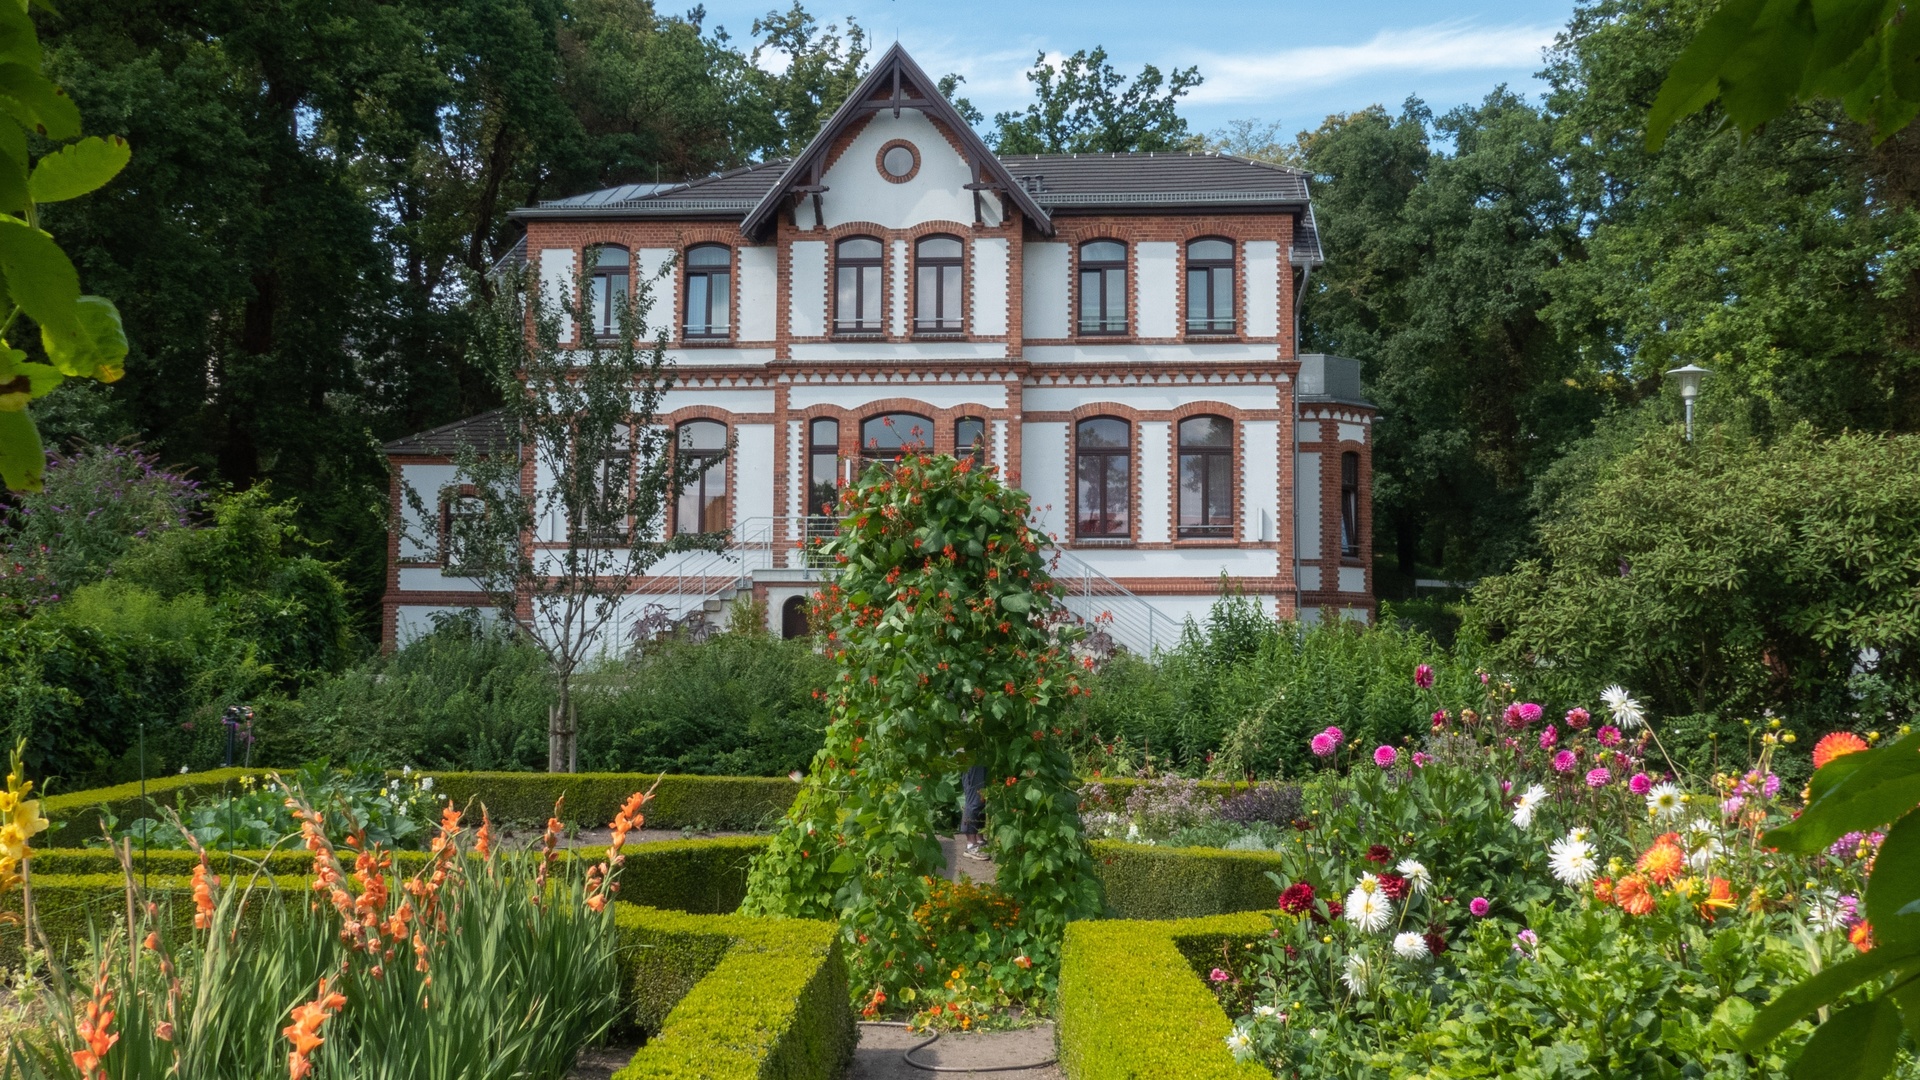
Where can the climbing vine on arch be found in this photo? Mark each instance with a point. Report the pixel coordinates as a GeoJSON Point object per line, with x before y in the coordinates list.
{"type": "Point", "coordinates": [943, 626]}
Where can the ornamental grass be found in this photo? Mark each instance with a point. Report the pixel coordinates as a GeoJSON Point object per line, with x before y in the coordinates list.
{"type": "Point", "coordinates": [481, 964]}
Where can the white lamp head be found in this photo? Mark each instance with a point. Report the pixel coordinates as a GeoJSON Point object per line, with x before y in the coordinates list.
{"type": "Point", "coordinates": [1689, 378]}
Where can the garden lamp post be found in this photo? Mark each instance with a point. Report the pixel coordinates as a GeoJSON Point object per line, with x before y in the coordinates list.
{"type": "Point", "coordinates": [1689, 378]}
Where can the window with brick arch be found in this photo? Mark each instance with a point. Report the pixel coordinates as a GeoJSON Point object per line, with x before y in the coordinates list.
{"type": "Point", "coordinates": [887, 436]}
{"type": "Point", "coordinates": [1210, 286]}
{"type": "Point", "coordinates": [1206, 477]}
{"type": "Point", "coordinates": [607, 288]}
{"type": "Point", "coordinates": [823, 466]}
{"type": "Point", "coordinates": [709, 290]}
{"type": "Point", "coordinates": [937, 265]}
{"type": "Point", "coordinates": [703, 502]}
{"type": "Point", "coordinates": [1103, 478]}
{"type": "Point", "coordinates": [857, 293]}
{"type": "Point", "coordinates": [1103, 287]}
{"type": "Point", "coordinates": [1350, 505]}
{"type": "Point", "coordinates": [970, 439]}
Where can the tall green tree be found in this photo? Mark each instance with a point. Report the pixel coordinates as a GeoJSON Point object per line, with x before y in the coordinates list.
{"type": "Point", "coordinates": [1438, 268]}
{"type": "Point", "coordinates": [1084, 106]}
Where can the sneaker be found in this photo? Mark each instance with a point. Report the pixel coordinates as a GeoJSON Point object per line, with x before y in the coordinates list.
{"type": "Point", "coordinates": [975, 852]}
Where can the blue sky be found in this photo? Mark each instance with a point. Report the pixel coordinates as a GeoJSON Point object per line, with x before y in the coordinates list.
{"type": "Point", "coordinates": [1288, 62]}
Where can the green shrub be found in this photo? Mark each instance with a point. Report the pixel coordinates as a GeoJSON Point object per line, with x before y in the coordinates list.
{"type": "Point", "coordinates": [1729, 576]}
{"type": "Point", "coordinates": [737, 803]}
{"type": "Point", "coordinates": [471, 696]}
{"type": "Point", "coordinates": [1133, 1006]}
{"type": "Point", "coordinates": [1244, 695]}
{"type": "Point", "coordinates": [1143, 882]}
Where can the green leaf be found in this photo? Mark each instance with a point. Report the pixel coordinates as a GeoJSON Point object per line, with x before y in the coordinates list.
{"type": "Point", "coordinates": [1893, 890]}
{"type": "Point", "coordinates": [1857, 1043]}
{"type": "Point", "coordinates": [22, 461]}
{"type": "Point", "coordinates": [1018, 603]}
{"type": "Point", "coordinates": [1694, 78]}
{"type": "Point", "coordinates": [40, 104]}
{"type": "Point", "coordinates": [39, 276]}
{"type": "Point", "coordinates": [1824, 988]}
{"type": "Point", "coordinates": [76, 169]}
{"type": "Point", "coordinates": [1864, 791]}
{"type": "Point", "coordinates": [19, 44]}
{"type": "Point", "coordinates": [95, 347]}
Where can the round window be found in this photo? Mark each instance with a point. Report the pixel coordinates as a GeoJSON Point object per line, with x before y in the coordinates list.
{"type": "Point", "coordinates": [898, 161]}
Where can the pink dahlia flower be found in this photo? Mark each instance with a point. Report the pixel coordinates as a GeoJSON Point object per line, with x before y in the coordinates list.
{"type": "Point", "coordinates": [1479, 906]}
{"type": "Point", "coordinates": [1385, 756]}
{"type": "Point", "coordinates": [1564, 761]}
{"type": "Point", "coordinates": [1640, 783]}
{"type": "Point", "coordinates": [1598, 777]}
{"type": "Point", "coordinates": [1548, 737]}
{"type": "Point", "coordinates": [1608, 735]}
{"type": "Point", "coordinates": [1423, 677]}
{"type": "Point", "coordinates": [1322, 745]}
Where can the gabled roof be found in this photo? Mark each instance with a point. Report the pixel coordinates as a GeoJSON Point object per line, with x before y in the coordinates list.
{"type": "Point", "coordinates": [486, 433]}
{"type": "Point", "coordinates": [895, 82]}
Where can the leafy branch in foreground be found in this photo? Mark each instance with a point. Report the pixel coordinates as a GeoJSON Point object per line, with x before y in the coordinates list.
{"type": "Point", "coordinates": [1760, 56]}
{"type": "Point", "coordinates": [79, 335]}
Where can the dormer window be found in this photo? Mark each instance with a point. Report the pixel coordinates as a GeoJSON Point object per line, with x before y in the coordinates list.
{"type": "Point", "coordinates": [937, 263]}
{"type": "Point", "coordinates": [607, 288]}
{"type": "Point", "coordinates": [1103, 287]}
{"type": "Point", "coordinates": [709, 290]}
{"type": "Point", "coordinates": [1210, 287]}
{"type": "Point", "coordinates": [857, 295]}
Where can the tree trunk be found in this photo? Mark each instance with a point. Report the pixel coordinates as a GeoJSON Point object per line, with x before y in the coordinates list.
{"type": "Point", "coordinates": [573, 738]}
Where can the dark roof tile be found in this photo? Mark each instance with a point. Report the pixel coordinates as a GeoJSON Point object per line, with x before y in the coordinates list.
{"type": "Point", "coordinates": [486, 432]}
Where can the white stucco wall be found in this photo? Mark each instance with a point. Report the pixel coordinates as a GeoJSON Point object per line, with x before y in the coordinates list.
{"type": "Point", "coordinates": [754, 461]}
{"type": "Point", "coordinates": [411, 621]}
{"type": "Point", "coordinates": [1306, 505]}
{"type": "Point", "coordinates": [1043, 291]}
{"type": "Point", "coordinates": [421, 538]}
{"type": "Point", "coordinates": [1259, 479]}
{"type": "Point", "coordinates": [655, 268]}
{"type": "Point", "coordinates": [992, 395]}
{"type": "Point", "coordinates": [1354, 433]}
{"type": "Point", "coordinates": [732, 399]}
{"type": "Point", "coordinates": [807, 292]}
{"type": "Point", "coordinates": [990, 286]}
{"type": "Point", "coordinates": [759, 292]}
{"type": "Point", "coordinates": [1156, 506]}
{"type": "Point", "coordinates": [1262, 297]}
{"type": "Point", "coordinates": [556, 284]}
{"type": "Point", "coordinates": [1156, 269]}
{"type": "Point", "coordinates": [1149, 398]}
{"type": "Point", "coordinates": [1043, 474]}
{"type": "Point", "coordinates": [858, 192]}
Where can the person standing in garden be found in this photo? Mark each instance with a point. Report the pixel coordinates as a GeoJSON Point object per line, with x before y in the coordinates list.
{"type": "Point", "coordinates": [973, 785]}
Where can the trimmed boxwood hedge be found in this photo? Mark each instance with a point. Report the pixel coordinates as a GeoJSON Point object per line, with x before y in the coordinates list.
{"type": "Point", "coordinates": [724, 997]}
{"type": "Point", "coordinates": [1133, 1005]}
{"type": "Point", "coordinates": [1143, 882]}
{"type": "Point", "coordinates": [679, 802]}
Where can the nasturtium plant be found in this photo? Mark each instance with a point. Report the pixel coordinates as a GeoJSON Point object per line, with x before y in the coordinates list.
{"type": "Point", "coordinates": [80, 336]}
{"type": "Point", "coordinates": [950, 651]}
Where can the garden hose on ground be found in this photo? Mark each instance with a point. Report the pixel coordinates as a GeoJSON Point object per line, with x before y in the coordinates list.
{"type": "Point", "coordinates": [908, 1055]}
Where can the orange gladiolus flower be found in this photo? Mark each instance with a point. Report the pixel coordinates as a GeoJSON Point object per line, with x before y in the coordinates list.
{"type": "Point", "coordinates": [1838, 744]}
{"type": "Point", "coordinates": [1663, 862]}
{"type": "Point", "coordinates": [163, 1031]}
{"type": "Point", "coordinates": [304, 1032]}
{"type": "Point", "coordinates": [203, 883]}
{"type": "Point", "coordinates": [483, 840]}
{"type": "Point", "coordinates": [93, 1030]}
{"type": "Point", "coordinates": [1631, 894]}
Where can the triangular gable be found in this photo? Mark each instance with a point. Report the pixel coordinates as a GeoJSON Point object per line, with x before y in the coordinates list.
{"type": "Point", "coordinates": [895, 83]}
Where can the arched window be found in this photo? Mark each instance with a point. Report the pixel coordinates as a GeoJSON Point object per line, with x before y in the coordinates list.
{"type": "Point", "coordinates": [793, 618]}
{"type": "Point", "coordinates": [823, 466]}
{"type": "Point", "coordinates": [970, 439]}
{"type": "Point", "coordinates": [607, 288]}
{"type": "Point", "coordinates": [1206, 476]}
{"type": "Point", "coordinates": [1103, 469]}
{"type": "Point", "coordinates": [887, 436]}
{"type": "Point", "coordinates": [1210, 287]}
{"type": "Point", "coordinates": [936, 290]}
{"type": "Point", "coordinates": [1103, 287]}
{"type": "Point", "coordinates": [857, 294]}
{"type": "Point", "coordinates": [703, 502]}
{"type": "Point", "coordinates": [1350, 504]}
{"type": "Point", "coordinates": [709, 290]}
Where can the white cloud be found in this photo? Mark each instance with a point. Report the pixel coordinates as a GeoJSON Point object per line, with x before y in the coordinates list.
{"type": "Point", "coordinates": [1441, 47]}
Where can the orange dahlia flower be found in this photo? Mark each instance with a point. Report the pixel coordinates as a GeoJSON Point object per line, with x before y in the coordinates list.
{"type": "Point", "coordinates": [1719, 898]}
{"type": "Point", "coordinates": [1838, 744]}
{"type": "Point", "coordinates": [1603, 890]}
{"type": "Point", "coordinates": [1862, 936]}
{"type": "Point", "coordinates": [1630, 892]}
{"type": "Point", "coordinates": [1663, 862]}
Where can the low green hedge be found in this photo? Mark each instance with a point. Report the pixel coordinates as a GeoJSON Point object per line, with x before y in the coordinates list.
{"type": "Point", "coordinates": [1133, 1005]}
{"type": "Point", "coordinates": [724, 997]}
{"type": "Point", "coordinates": [1143, 882]}
{"type": "Point", "coordinates": [706, 877]}
{"type": "Point", "coordinates": [679, 802]}
{"type": "Point", "coordinates": [731, 996]}
{"type": "Point", "coordinates": [1111, 792]}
